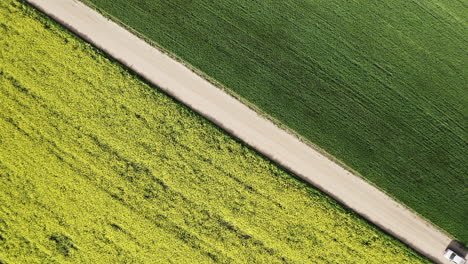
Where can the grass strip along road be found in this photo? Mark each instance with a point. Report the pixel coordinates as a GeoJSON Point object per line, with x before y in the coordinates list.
{"type": "Point", "coordinates": [98, 167]}
{"type": "Point", "coordinates": [380, 85]}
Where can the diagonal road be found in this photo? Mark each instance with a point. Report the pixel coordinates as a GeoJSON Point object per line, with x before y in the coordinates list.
{"type": "Point", "coordinates": [245, 124]}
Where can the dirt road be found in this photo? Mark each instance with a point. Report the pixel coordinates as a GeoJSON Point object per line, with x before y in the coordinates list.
{"type": "Point", "coordinates": [245, 124]}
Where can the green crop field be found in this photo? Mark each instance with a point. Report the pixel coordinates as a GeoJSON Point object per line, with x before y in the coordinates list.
{"type": "Point", "coordinates": [98, 167]}
{"type": "Point", "coordinates": [380, 85]}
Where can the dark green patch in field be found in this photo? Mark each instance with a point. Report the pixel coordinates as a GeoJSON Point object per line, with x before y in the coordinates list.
{"type": "Point", "coordinates": [64, 243]}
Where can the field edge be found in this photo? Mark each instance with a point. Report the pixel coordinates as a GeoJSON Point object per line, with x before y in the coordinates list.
{"type": "Point", "coordinates": [261, 113]}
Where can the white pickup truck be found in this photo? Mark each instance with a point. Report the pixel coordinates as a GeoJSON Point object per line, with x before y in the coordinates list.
{"type": "Point", "coordinates": [454, 257]}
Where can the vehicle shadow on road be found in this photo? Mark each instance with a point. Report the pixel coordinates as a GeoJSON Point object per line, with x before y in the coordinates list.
{"type": "Point", "coordinates": [458, 248]}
